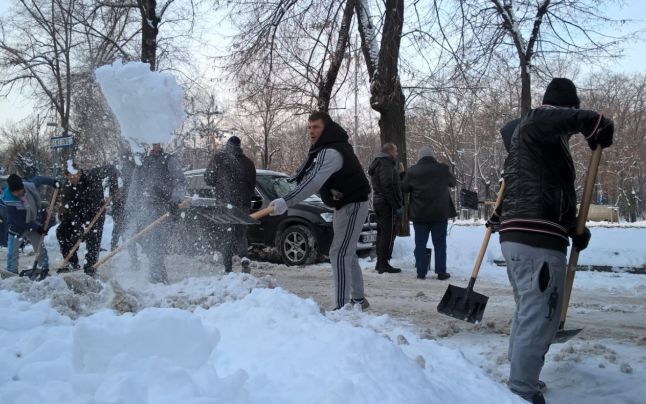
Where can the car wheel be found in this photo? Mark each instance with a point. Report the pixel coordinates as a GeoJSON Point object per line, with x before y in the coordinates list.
{"type": "Point", "coordinates": [297, 245]}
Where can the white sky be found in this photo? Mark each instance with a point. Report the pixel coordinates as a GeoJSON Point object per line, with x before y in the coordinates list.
{"type": "Point", "coordinates": [16, 106]}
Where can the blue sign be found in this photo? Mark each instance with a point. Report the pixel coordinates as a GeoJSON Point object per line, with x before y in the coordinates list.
{"type": "Point", "coordinates": [58, 142]}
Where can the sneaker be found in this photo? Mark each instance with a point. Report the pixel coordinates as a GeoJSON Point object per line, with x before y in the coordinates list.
{"type": "Point", "coordinates": [443, 276]}
{"type": "Point", "coordinates": [363, 302]}
{"type": "Point", "coordinates": [542, 386]}
{"type": "Point", "coordinates": [245, 262]}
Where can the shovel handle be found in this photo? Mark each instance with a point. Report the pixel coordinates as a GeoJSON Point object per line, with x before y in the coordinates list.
{"type": "Point", "coordinates": [85, 232]}
{"type": "Point", "coordinates": [590, 178]}
{"type": "Point", "coordinates": [262, 213]}
{"type": "Point", "coordinates": [50, 210]}
{"type": "Point", "coordinates": [140, 234]}
{"type": "Point", "coordinates": [485, 241]}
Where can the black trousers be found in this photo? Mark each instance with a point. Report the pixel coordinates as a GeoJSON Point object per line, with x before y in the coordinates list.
{"type": "Point", "coordinates": [68, 233]}
{"type": "Point", "coordinates": [386, 222]}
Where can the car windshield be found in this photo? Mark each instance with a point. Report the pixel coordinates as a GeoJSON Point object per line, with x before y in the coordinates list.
{"type": "Point", "coordinates": [277, 187]}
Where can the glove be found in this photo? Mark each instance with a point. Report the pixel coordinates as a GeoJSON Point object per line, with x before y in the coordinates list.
{"type": "Point", "coordinates": [603, 136]}
{"type": "Point", "coordinates": [57, 184]}
{"type": "Point", "coordinates": [42, 230]}
{"type": "Point", "coordinates": [493, 222]}
{"type": "Point", "coordinates": [279, 205]}
{"type": "Point", "coordinates": [580, 241]}
{"type": "Point", "coordinates": [175, 211]}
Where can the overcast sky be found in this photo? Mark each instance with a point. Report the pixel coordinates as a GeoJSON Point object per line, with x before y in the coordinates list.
{"type": "Point", "coordinates": [16, 107]}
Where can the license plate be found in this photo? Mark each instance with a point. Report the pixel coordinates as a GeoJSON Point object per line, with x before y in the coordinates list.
{"type": "Point", "coordinates": [369, 238]}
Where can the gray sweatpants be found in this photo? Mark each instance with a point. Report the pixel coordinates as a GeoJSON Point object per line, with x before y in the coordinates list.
{"type": "Point", "coordinates": [537, 276]}
{"type": "Point", "coordinates": [347, 224]}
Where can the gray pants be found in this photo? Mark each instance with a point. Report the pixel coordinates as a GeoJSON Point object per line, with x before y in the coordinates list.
{"type": "Point", "coordinates": [347, 225]}
{"type": "Point", "coordinates": [13, 250]}
{"type": "Point", "coordinates": [537, 276]}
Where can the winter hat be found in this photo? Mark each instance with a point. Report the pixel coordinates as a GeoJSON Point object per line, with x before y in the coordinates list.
{"type": "Point", "coordinates": [561, 92]}
{"type": "Point", "coordinates": [234, 140]}
{"type": "Point", "coordinates": [425, 151]}
{"type": "Point", "coordinates": [14, 182]}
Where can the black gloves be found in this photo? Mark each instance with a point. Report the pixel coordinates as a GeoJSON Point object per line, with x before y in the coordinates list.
{"type": "Point", "coordinates": [603, 135]}
{"type": "Point", "coordinates": [175, 211]}
{"type": "Point", "coordinates": [580, 241]}
{"type": "Point", "coordinates": [42, 230]}
{"type": "Point", "coordinates": [57, 184]}
{"type": "Point", "coordinates": [493, 222]}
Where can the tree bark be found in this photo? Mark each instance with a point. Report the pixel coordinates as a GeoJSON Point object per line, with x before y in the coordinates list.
{"type": "Point", "coordinates": [386, 92]}
{"type": "Point", "coordinates": [326, 85]}
{"type": "Point", "coordinates": [149, 23]}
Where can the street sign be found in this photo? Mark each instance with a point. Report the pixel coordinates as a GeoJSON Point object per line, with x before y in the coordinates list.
{"type": "Point", "coordinates": [58, 142]}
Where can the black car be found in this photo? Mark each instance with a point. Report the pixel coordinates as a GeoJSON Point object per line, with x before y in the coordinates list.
{"type": "Point", "coordinates": [301, 235]}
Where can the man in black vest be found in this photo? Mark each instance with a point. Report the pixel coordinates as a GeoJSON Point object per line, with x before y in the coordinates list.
{"type": "Point", "coordinates": [333, 169]}
{"type": "Point", "coordinates": [157, 187]}
{"type": "Point", "coordinates": [387, 201]}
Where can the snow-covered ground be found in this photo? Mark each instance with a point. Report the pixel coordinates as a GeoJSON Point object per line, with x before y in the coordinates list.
{"type": "Point", "coordinates": [209, 337]}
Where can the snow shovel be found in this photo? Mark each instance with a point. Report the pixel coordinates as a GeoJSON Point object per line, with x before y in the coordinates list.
{"type": "Point", "coordinates": [563, 335]}
{"type": "Point", "coordinates": [85, 232]}
{"type": "Point", "coordinates": [465, 304]}
{"type": "Point", "coordinates": [34, 273]}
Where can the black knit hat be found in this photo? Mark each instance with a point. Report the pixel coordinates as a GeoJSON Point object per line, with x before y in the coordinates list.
{"type": "Point", "coordinates": [234, 140]}
{"type": "Point", "coordinates": [14, 182]}
{"type": "Point", "coordinates": [561, 93]}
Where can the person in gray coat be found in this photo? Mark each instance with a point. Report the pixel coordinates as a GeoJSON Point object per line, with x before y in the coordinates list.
{"type": "Point", "coordinates": [431, 206]}
{"type": "Point", "coordinates": [158, 186]}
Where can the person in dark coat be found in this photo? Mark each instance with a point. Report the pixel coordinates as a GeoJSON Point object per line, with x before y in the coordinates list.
{"type": "Point", "coordinates": [537, 218]}
{"type": "Point", "coordinates": [233, 178]}
{"type": "Point", "coordinates": [119, 200]}
{"type": "Point", "coordinates": [387, 202]}
{"type": "Point", "coordinates": [82, 199]}
{"type": "Point", "coordinates": [158, 187]}
{"type": "Point", "coordinates": [431, 206]}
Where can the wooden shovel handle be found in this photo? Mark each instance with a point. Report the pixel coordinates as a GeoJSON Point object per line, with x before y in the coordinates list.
{"type": "Point", "coordinates": [590, 178]}
{"type": "Point", "coordinates": [140, 234]}
{"type": "Point", "coordinates": [85, 232]}
{"type": "Point", "coordinates": [262, 213]}
{"type": "Point", "coordinates": [50, 210]}
{"type": "Point", "coordinates": [487, 236]}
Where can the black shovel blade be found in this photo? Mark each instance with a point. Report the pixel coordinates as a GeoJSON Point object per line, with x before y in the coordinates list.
{"type": "Point", "coordinates": [463, 304]}
{"type": "Point", "coordinates": [563, 336]}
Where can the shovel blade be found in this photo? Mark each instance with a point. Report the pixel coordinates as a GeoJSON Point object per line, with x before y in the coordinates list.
{"type": "Point", "coordinates": [463, 304]}
{"type": "Point", "coordinates": [563, 336]}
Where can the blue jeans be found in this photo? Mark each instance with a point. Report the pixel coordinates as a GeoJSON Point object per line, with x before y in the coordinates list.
{"type": "Point", "coordinates": [437, 229]}
{"type": "Point", "coordinates": [13, 250]}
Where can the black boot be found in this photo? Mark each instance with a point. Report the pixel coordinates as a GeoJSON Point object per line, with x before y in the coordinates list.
{"type": "Point", "coordinates": [393, 269]}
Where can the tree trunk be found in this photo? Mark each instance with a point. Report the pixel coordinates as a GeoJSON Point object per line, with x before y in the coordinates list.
{"type": "Point", "coordinates": [525, 90]}
{"type": "Point", "coordinates": [149, 22]}
{"type": "Point", "coordinates": [326, 85]}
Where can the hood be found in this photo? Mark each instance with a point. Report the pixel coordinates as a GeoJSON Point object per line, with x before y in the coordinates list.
{"type": "Point", "coordinates": [333, 133]}
{"type": "Point", "coordinates": [234, 149]}
{"type": "Point", "coordinates": [379, 157]}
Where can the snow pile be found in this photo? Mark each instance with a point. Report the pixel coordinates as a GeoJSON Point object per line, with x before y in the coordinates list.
{"type": "Point", "coordinates": [268, 347]}
{"type": "Point", "coordinates": [147, 104]}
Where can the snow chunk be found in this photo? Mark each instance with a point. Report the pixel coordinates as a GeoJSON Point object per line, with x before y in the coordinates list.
{"type": "Point", "coordinates": [70, 167]}
{"type": "Point", "coordinates": [147, 104]}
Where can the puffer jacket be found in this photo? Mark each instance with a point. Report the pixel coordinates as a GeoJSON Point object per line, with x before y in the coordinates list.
{"type": "Point", "coordinates": [386, 187]}
{"type": "Point", "coordinates": [539, 176]}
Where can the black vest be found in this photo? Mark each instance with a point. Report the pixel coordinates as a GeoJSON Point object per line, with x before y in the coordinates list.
{"type": "Point", "coordinates": [347, 185]}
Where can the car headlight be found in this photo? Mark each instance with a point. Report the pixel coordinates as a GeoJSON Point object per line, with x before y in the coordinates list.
{"type": "Point", "coordinates": [327, 216]}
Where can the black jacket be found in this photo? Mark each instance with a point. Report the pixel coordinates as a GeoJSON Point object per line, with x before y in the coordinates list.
{"type": "Point", "coordinates": [386, 186]}
{"type": "Point", "coordinates": [83, 200]}
{"type": "Point", "coordinates": [233, 176]}
{"type": "Point", "coordinates": [428, 183]}
{"type": "Point", "coordinates": [539, 205]}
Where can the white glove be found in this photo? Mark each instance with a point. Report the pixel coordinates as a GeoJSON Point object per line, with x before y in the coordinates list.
{"type": "Point", "coordinates": [279, 205]}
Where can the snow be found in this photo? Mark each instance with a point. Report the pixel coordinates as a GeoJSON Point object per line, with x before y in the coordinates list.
{"type": "Point", "coordinates": [147, 104]}
{"type": "Point", "coordinates": [211, 337]}
{"type": "Point", "coordinates": [70, 168]}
